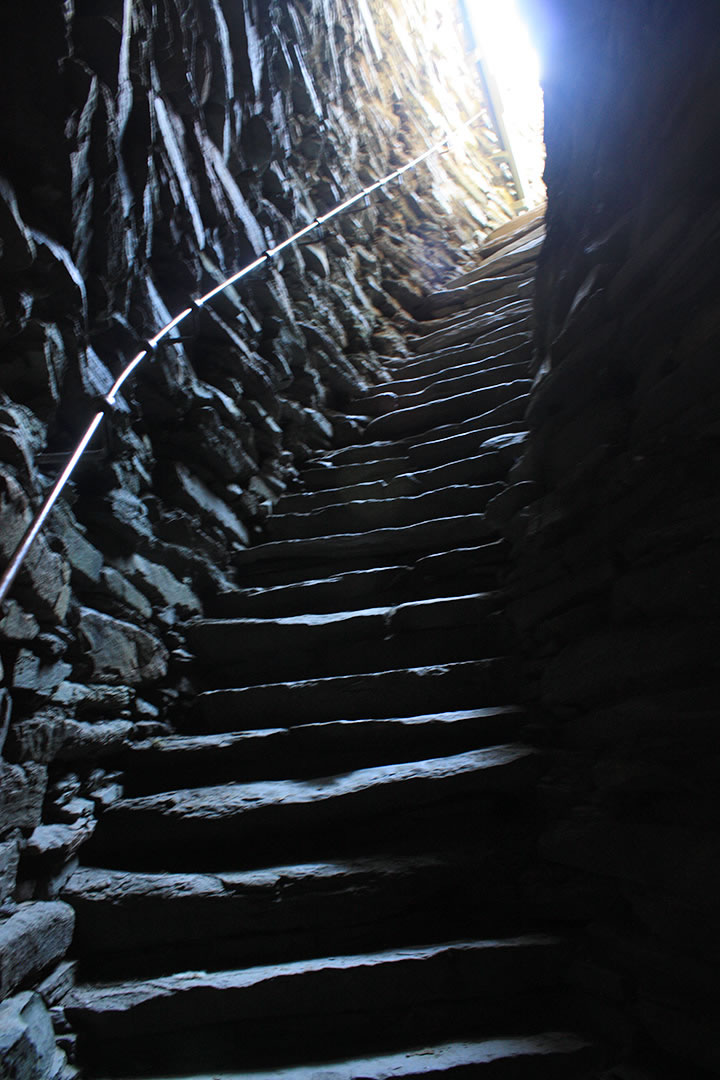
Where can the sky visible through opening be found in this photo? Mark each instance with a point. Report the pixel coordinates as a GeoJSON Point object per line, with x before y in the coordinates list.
{"type": "Point", "coordinates": [505, 47]}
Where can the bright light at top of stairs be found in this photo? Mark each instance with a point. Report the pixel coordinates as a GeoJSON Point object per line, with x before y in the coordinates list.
{"type": "Point", "coordinates": [505, 46]}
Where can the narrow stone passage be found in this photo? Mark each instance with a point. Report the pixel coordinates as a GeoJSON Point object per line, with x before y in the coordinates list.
{"type": "Point", "coordinates": [322, 876]}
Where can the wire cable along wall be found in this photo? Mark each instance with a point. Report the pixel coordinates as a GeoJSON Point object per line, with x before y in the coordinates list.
{"type": "Point", "coordinates": [109, 400]}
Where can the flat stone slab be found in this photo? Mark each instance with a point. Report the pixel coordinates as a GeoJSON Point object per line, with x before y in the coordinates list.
{"type": "Point", "coordinates": [316, 595]}
{"type": "Point", "coordinates": [313, 749]}
{"type": "Point", "coordinates": [240, 819]}
{"type": "Point", "coordinates": [329, 986]}
{"type": "Point", "coordinates": [466, 379]}
{"type": "Point", "coordinates": [404, 422]}
{"type": "Point", "coordinates": [140, 923]}
{"type": "Point", "coordinates": [546, 1056]}
{"type": "Point", "coordinates": [357, 516]}
{"type": "Point", "coordinates": [376, 695]}
{"type": "Point", "coordinates": [438, 533]}
{"type": "Point", "coordinates": [502, 346]}
{"type": "Point", "coordinates": [341, 642]}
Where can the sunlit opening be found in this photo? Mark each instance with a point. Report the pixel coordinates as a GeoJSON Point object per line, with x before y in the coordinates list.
{"type": "Point", "coordinates": [508, 56]}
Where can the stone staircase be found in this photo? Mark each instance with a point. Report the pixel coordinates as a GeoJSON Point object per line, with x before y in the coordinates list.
{"type": "Point", "coordinates": [323, 875]}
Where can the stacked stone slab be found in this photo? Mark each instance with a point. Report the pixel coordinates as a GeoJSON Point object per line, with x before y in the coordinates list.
{"type": "Point", "coordinates": [323, 873]}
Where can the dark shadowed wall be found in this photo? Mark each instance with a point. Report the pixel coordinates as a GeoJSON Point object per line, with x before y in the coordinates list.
{"type": "Point", "coordinates": [615, 590]}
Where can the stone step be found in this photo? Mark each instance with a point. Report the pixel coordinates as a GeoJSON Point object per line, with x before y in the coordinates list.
{"type": "Point", "coordinates": [493, 291]}
{"type": "Point", "coordinates": [402, 806]}
{"type": "Point", "coordinates": [443, 573]}
{"type": "Point", "coordinates": [441, 314]}
{"type": "Point", "coordinates": [379, 461]}
{"type": "Point", "coordinates": [466, 301]}
{"type": "Point", "coordinates": [404, 422]}
{"type": "Point", "coordinates": [474, 331]}
{"type": "Point", "coordinates": [281, 560]}
{"type": "Point", "coordinates": [496, 347]}
{"type": "Point", "coordinates": [497, 454]}
{"type": "Point", "coordinates": [423, 390]}
{"type": "Point", "coordinates": [518, 252]}
{"type": "Point", "coordinates": [419, 632]}
{"type": "Point", "coordinates": [308, 750]}
{"type": "Point", "coordinates": [508, 418]}
{"type": "Point", "coordinates": [149, 924]}
{"type": "Point", "coordinates": [554, 1055]}
{"type": "Point", "coordinates": [372, 695]}
{"type": "Point", "coordinates": [508, 235]}
{"type": "Point", "coordinates": [425, 383]}
{"type": "Point", "coordinates": [477, 469]}
{"type": "Point", "coordinates": [318, 1008]}
{"type": "Point", "coordinates": [359, 515]}
{"type": "Point", "coordinates": [464, 298]}
{"type": "Point", "coordinates": [517, 256]}
{"type": "Point", "coordinates": [366, 468]}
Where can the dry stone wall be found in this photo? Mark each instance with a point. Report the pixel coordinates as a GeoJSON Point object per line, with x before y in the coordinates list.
{"type": "Point", "coordinates": [615, 587]}
{"type": "Point", "coordinates": [151, 147]}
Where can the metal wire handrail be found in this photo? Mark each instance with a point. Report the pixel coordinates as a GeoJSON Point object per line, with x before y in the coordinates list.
{"type": "Point", "coordinates": [108, 400]}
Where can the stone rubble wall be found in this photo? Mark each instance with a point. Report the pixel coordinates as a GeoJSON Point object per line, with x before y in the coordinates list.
{"type": "Point", "coordinates": [617, 559]}
{"type": "Point", "coordinates": [151, 147]}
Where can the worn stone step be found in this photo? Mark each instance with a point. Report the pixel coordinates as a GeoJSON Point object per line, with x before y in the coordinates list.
{"type": "Point", "coordinates": [466, 302]}
{"type": "Point", "coordinates": [314, 1009]}
{"type": "Point", "coordinates": [442, 573]}
{"type": "Point", "coordinates": [333, 592]}
{"type": "Point", "coordinates": [423, 391]}
{"type": "Point", "coordinates": [496, 348]}
{"type": "Point", "coordinates": [476, 330]}
{"type": "Point", "coordinates": [447, 306]}
{"type": "Point", "coordinates": [404, 422]}
{"type": "Point", "coordinates": [378, 461]}
{"type": "Point", "coordinates": [479, 305]}
{"type": "Point", "coordinates": [463, 298]}
{"type": "Point", "coordinates": [143, 924]}
{"type": "Point", "coordinates": [256, 651]}
{"type": "Point", "coordinates": [497, 454]}
{"type": "Point", "coordinates": [482, 369]}
{"type": "Point", "coordinates": [509, 234]}
{"type": "Point", "coordinates": [281, 560]}
{"type": "Point", "coordinates": [366, 468]}
{"type": "Point", "coordinates": [308, 750]}
{"type": "Point", "coordinates": [359, 515]}
{"type": "Point", "coordinates": [476, 469]}
{"type": "Point", "coordinates": [517, 252]}
{"type": "Point", "coordinates": [260, 822]}
{"type": "Point", "coordinates": [374, 695]}
{"type": "Point", "coordinates": [547, 1056]}
{"type": "Point", "coordinates": [508, 418]}
{"type": "Point", "coordinates": [312, 644]}
{"type": "Point", "coordinates": [519, 257]}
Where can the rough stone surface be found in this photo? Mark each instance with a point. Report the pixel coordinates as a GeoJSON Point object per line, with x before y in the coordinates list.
{"type": "Point", "coordinates": [27, 1039]}
{"type": "Point", "coordinates": [32, 939]}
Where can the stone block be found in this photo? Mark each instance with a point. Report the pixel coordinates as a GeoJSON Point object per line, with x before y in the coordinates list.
{"type": "Point", "coordinates": [37, 738]}
{"type": "Point", "coordinates": [45, 573]}
{"type": "Point", "coordinates": [33, 675]}
{"type": "Point", "coordinates": [129, 599]}
{"type": "Point", "coordinates": [16, 624]}
{"type": "Point", "coordinates": [22, 790]}
{"type": "Point", "coordinates": [85, 560]}
{"type": "Point", "coordinates": [9, 858]}
{"type": "Point", "coordinates": [36, 936]}
{"type": "Point", "coordinates": [119, 652]}
{"type": "Point", "coordinates": [162, 587]}
{"type": "Point", "coordinates": [27, 1039]}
